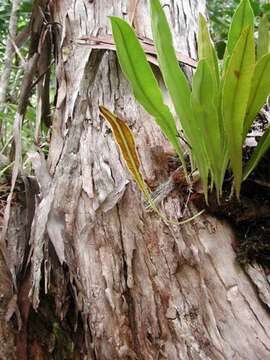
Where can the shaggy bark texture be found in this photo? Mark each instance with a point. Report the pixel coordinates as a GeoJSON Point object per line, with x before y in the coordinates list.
{"type": "Point", "coordinates": [126, 284]}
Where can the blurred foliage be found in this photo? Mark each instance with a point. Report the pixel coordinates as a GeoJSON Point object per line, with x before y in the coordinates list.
{"type": "Point", "coordinates": [220, 14]}
{"type": "Point", "coordinates": [7, 113]}
{"type": "Point", "coordinates": [24, 16]}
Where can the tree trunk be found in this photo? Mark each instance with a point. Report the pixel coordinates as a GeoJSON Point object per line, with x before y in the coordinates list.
{"type": "Point", "coordinates": [111, 280]}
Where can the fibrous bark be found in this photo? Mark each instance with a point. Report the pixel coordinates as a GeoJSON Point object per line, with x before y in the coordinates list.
{"type": "Point", "coordinates": [12, 29]}
{"type": "Point", "coordinates": [143, 289]}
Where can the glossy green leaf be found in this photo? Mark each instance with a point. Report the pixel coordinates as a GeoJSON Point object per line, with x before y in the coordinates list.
{"type": "Point", "coordinates": [207, 51]}
{"type": "Point", "coordinates": [260, 150]}
{"type": "Point", "coordinates": [217, 113]}
{"type": "Point", "coordinates": [260, 89]}
{"type": "Point", "coordinates": [143, 82]}
{"type": "Point", "coordinates": [174, 77]}
{"type": "Point", "coordinates": [263, 37]}
{"type": "Point", "coordinates": [243, 18]}
{"type": "Point", "coordinates": [206, 114]}
{"type": "Point", "coordinates": [236, 89]}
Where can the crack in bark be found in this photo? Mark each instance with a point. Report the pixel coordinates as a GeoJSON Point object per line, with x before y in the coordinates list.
{"type": "Point", "coordinates": [127, 294]}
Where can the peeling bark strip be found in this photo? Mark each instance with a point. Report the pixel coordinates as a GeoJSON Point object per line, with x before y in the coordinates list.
{"type": "Point", "coordinates": [145, 290]}
{"type": "Point", "coordinates": [37, 30]}
{"type": "Point", "coordinates": [107, 43]}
